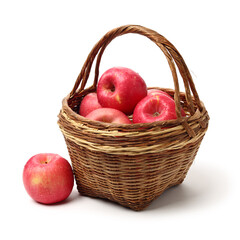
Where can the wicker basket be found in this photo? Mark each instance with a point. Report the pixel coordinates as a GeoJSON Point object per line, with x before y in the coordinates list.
{"type": "Point", "coordinates": [133, 164]}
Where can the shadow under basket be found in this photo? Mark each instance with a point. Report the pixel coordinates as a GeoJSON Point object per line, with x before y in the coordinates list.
{"type": "Point", "coordinates": [132, 164]}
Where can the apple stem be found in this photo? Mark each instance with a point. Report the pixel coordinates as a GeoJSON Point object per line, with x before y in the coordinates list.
{"type": "Point", "coordinates": [112, 89]}
{"type": "Point", "coordinates": [156, 114]}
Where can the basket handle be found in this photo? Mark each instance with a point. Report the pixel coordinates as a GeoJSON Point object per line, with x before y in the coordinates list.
{"type": "Point", "coordinates": [171, 53]}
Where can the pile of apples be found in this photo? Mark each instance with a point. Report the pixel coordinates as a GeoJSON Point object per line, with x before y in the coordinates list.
{"type": "Point", "coordinates": [122, 93]}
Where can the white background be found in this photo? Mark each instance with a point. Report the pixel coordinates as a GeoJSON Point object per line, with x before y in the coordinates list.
{"type": "Point", "coordinates": [43, 45]}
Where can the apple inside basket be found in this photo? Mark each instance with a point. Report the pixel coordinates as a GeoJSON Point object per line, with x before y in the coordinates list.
{"type": "Point", "coordinates": [121, 92]}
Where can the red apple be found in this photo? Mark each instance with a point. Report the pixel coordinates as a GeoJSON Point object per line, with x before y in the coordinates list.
{"type": "Point", "coordinates": [158, 91]}
{"type": "Point", "coordinates": [88, 104]}
{"type": "Point", "coordinates": [48, 178]}
{"type": "Point", "coordinates": [121, 88]}
{"type": "Point", "coordinates": [109, 115]}
{"type": "Point", "coordinates": [155, 107]}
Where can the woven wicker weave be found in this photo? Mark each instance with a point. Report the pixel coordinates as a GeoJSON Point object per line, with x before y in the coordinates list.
{"type": "Point", "coordinates": [133, 164]}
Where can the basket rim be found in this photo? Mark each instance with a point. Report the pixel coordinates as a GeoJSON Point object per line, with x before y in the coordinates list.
{"type": "Point", "coordinates": [197, 116]}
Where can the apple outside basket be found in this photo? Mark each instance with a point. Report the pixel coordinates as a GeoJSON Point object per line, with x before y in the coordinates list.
{"type": "Point", "coordinates": [133, 164]}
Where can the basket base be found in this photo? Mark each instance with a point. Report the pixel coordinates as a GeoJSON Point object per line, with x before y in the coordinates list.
{"type": "Point", "coordinates": [136, 206]}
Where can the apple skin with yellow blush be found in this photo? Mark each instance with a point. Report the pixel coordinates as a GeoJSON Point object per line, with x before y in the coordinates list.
{"type": "Point", "coordinates": [48, 178]}
{"type": "Point", "coordinates": [121, 88]}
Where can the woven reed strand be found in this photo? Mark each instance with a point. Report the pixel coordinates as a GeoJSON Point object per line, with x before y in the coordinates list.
{"type": "Point", "coordinates": [131, 164]}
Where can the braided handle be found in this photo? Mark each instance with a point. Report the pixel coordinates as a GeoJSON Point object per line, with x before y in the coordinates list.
{"type": "Point", "coordinates": [171, 53]}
